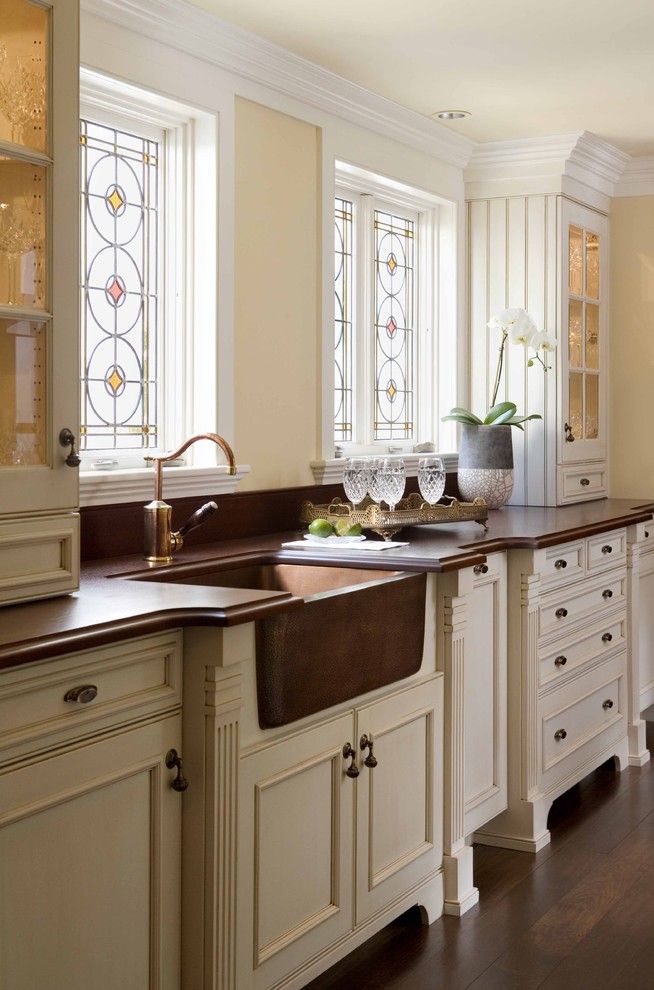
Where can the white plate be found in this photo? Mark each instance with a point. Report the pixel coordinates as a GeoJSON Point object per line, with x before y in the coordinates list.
{"type": "Point", "coordinates": [340, 540]}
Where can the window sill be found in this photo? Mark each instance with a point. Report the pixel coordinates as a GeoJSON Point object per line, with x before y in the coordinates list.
{"type": "Point", "coordinates": [137, 484]}
{"type": "Point", "coordinates": [331, 472]}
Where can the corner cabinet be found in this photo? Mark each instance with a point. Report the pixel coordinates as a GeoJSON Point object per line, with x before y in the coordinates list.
{"type": "Point", "coordinates": [39, 207]}
{"type": "Point", "coordinates": [583, 355]}
{"type": "Point", "coordinates": [548, 254]}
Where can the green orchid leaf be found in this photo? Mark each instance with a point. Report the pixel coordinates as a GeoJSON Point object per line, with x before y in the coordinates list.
{"type": "Point", "coordinates": [503, 418]}
{"type": "Point", "coordinates": [459, 411]}
{"type": "Point", "coordinates": [467, 420]}
{"type": "Point", "coordinates": [500, 410]}
{"type": "Point", "coordinates": [516, 420]}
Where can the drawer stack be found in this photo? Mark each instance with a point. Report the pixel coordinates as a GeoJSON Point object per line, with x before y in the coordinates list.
{"type": "Point", "coordinates": [568, 676]}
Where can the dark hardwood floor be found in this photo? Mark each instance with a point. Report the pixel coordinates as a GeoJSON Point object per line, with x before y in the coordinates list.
{"type": "Point", "coordinates": [579, 914]}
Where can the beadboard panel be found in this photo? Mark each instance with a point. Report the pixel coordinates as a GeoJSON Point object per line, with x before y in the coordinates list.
{"type": "Point", "coordinates": [513, 262]}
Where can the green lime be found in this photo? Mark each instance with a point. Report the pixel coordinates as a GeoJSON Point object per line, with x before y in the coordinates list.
{"type": "Point", "coordinates": [320, 527]}
{"type": "Point", "coordinates": [354, 530]}
{"type": "Point", "coordinates": [342, 526]}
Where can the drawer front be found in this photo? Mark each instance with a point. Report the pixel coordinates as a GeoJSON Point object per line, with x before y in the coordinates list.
{"type": "Point", "coordinates": [570, 655]}
{"type": "Point", "coordinates": [563, 564]}
{"type": "Point", "coordinates": [39, 558]}
{"type": "Point", "coordinates": [563, 609]}
{"type": "Point", "coordinates": [580, 483]}
{"type": "Point", "coordinates": [88, 691]}
{"type": "Point", "coordinates": [606, 550]}
{"type": "Point", "coordinates": [581, 719]}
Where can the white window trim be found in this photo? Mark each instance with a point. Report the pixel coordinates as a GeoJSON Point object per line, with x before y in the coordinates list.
{"type": "Point", "coordinates": [437, 343]}
{"type": "Point", "coordinates": [190, 379]}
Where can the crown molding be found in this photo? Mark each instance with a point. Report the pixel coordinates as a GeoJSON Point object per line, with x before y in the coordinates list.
{"type": "Point", "coordinates": [580, 157]}
{"type": "Point", "coordinates": [638, 177]}
{"type": "Point", "coordinates": [197, 32]}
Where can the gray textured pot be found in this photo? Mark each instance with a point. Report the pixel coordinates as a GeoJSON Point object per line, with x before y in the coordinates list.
{"type": "Point", "coordinates": [486, 464]}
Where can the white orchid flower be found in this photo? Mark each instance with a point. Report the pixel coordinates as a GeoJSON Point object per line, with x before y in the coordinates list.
{"type": "Point", "coordinates": [544, 341]}
{"type": "Point", "coordinates": [515, 323]}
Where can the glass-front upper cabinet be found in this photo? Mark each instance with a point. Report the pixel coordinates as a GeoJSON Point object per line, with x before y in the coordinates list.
{"type": "Point", "coordinates": [39, 195]}
{"type": "Point", "coordinates": [584, 340]}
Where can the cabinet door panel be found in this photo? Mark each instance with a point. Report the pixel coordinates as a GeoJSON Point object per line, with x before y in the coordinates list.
{"type": "Point", "coordinates": [295, 842]}
{"type": "Point", "coordinates": [90, 844]}
{"type": "Point", "coordinates": [399, 800]}
{"type": "Point", "coordinates": [485, 691]}
{"type": "Point", "coordinates": [646, 630]}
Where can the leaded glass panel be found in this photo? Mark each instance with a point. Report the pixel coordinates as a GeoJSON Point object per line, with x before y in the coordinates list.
{"type": "Point", "coordinates": [24, 73]}
{"type": "Point", "coordinates": [394, 301]}
{"type": "Point", "coordinates": [23, 383]}
{"type": "Point", "coordinates": [120, 297]}
{"type": "Point", "coordinates": [343, 326]}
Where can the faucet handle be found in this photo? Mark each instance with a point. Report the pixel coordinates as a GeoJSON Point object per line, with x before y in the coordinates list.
{"type": "Point", "coordinates": [196, 519]}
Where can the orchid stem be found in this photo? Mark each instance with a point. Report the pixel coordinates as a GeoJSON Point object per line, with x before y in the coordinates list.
{"type": "Point", "coordinates": [498, 373]}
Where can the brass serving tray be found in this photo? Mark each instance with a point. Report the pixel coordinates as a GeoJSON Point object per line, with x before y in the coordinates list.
{"type": "Point", "coordinates": [410, 511]}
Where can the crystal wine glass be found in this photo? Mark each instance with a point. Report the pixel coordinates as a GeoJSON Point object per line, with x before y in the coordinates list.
{"type": "Point", "coordinates": [391, 478]}
{"type": "Point", "coordinates": [355, 479]}
{"type": "Point", "coordinates": [373, 480]}
{"type": "Point", "coordinates": [431, 478]}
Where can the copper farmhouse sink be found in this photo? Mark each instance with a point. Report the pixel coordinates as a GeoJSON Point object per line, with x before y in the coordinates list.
{"type": "Point", "coordinates": [358, 630]}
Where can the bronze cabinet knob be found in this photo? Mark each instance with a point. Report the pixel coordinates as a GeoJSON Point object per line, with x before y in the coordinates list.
{"type": "Point", "coordinates": [560, 661]}
{"type": "Point", "coordinates": [81, 695]}
{"type": "Point", "coordinates": [607, 548]}
{"type": "Point", "coordinates": [480, 569]}
{"type": "Point", "coordinates": [561, 613]}
{"type": "Point", "coordinates": [560, 734]}
{"type": "Point", "coordinates": [174, 762]}
{"type": "Point", "coordinates": [607, 594]}
{"type": "Point", "coordinates": [350, 752]}
{"type": "Point", "coordinates": [584, 482]}
{"type": "Point", "coordinates": [607, 637]}
{"type": "Point", "coordinates": [67, 439]}
{"type": "Point", "coordinates": [367, 743]}
{"type": "Point", "coordinates": [608, 704]}
{"type": "Point", "coordinates": [560, 564]}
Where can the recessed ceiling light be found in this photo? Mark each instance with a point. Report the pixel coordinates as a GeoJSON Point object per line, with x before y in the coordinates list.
{"type": "Point", "coordinates": [451, 114]}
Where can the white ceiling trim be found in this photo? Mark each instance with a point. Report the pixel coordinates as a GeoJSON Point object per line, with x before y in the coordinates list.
{"type": "Point", "coordinates": [186, 28]}
{"type": "Point", "coordinates": [638, 177]}
{"type": "Point", "coordinates": [581, 156]}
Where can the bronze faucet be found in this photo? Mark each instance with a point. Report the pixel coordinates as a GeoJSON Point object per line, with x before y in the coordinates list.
{"type": "Point", "coordinates": [160, 541]}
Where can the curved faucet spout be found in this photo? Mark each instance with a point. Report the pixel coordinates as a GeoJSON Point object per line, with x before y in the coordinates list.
{"type": "Point", "coordinates": [160, 461]}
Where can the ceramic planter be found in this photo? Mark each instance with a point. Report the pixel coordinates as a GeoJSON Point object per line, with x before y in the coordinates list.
{"type": "Point", "coordinates": [486, 464]}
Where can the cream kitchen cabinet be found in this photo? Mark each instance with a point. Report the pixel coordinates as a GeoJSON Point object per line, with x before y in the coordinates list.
{"type": "Point", "coordinates": [549, 254]}
{"type": "Point", "coordinates": [39, 304]}
{"type": "Point", "coordinates": [290, 861]}
{"type": "Point", "coordinates": [472, 652]}
{"type": "Point", "coordinates": [643, 611]}
{"type": "Point", "coordinates": [571, 677]}
{"type": "Point", "coordinates": [90, 826]}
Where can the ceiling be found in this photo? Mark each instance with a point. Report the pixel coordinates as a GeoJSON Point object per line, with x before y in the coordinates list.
{"type": "Point", "coordinates": [524, 68]}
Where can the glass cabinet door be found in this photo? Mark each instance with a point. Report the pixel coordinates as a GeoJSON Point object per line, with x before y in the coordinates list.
{"type": "Point", "coordinates": [584, 321]}
{"type": "Point", "coordinates": [38, 252]}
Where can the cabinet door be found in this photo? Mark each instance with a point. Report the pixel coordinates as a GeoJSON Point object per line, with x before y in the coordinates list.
{"type": "Point", "coordinates": [485, 697]}
{"type": "Point", "coordinates": [90, 867]}
{"type": "Point", "coordinates": [296, 808]}
{"type": "Point", "coordinates": [399, 801]}
{"type": "Point", "coordinates": [646, 630]}
{"type": "Point", "coordinates": [584, 320]}
{"type": "Point", "coordinates": [39, 207]}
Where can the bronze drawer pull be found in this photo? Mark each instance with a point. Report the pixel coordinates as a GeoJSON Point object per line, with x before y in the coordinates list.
{"type": "Point", "coordinates": [607, 637]}
{"type": "Point", "coordinates": [607, 594]}
{"type": "Point", "coordinates": [560, 564]}
{"type": "Point", "coordinates": [367, 742]}
{"type": "Point", "coordinates": [560, 734]}
{"type": "Point", "coordinates": [560, 661]}
{"type": "Point", "coordinates": [647, 534]}
{"type": "Point", "coordinates": [561, 613]}
{"type": "Point", "coordinates": [81, 695]}
{"type": "Point", "coordinates": [606, 705]}
{"type": "Point", "coordinates": [67, 439]}
{"type": "Point", "coordinates": [584, 482]}
{"type": "Point", "coordinates": [350, 751]}
{"type": "Point", "coordinates": [174, 762]}
{"type": "Point", "coordinates": [607, 548]}
{"type": "Point", "coordinates": [569, 435]}
{"type": "Point", "coordinates": [480, 569]}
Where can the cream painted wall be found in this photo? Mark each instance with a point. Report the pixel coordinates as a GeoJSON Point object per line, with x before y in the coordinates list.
{"type": "Point", "coordinates": [631, 379]}
{"type": "Point", "coordinates": [276, 306]}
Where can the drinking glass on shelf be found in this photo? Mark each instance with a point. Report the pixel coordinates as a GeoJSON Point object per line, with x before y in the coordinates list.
{"type": "Point", "coordinates": [373, 480]}
{"type": "Point", "coordinates": [355, 479]}
{"type": "Point", "coordinates": [431, 478]}
{"type": "Point", "coordinates": [391, 478]}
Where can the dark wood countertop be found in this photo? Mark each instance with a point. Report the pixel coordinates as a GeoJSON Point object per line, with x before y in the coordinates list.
{"type": "Point", "coordinates": [108, 608]}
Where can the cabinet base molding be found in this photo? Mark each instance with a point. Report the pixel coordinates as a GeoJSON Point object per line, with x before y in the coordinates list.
{"type": "Point", "coordinates": [428, 896]}
{"type": "Point", "coordinates": [638, 751]}
{"type": "Point", "coordinates": [460, 892]}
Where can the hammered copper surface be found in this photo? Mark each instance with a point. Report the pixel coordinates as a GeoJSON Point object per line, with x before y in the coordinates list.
{"type": "Point", "coordinates": [339, 646]}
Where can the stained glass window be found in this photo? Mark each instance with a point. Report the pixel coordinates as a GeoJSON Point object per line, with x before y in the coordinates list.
{"type": "Point", "coordinates": [120, 298]}
{"type": "Point", "coordinates": [394, 268]}
{"type": "Point", "coordinates": [343, 303]}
